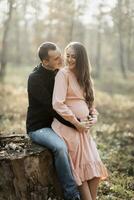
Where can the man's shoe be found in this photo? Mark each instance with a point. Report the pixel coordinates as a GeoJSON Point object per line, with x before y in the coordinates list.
{"type": "Point", "coordinates": [77, 198]}
{"type": "Point", "coordinates": [74, 198]}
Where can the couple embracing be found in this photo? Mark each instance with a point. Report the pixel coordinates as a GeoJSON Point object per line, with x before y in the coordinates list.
{"type": "Point", "coordinates": [60, 113]}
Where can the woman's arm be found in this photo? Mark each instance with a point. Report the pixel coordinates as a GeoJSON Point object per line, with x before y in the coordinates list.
{"type": "Point", "coordinates": [59, 98]}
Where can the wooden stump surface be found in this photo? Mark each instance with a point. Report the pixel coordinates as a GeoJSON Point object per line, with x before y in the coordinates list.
{"type": "Point", "coordinates": [26, 170]}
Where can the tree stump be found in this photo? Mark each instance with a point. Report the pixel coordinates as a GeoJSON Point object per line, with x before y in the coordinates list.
{"type": "Point", "coordinates": [26, 170]}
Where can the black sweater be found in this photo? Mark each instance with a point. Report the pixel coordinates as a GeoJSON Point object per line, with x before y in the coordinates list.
{"type": "Point", "coordinates": [40, 113]}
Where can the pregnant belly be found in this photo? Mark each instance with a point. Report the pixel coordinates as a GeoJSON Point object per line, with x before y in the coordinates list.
{"type": "Point", "coordinates": [79, 108]}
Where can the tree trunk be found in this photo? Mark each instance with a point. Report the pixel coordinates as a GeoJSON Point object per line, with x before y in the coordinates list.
{"type": "Point", "coordinates": [98, 55]}
{"type": "Point", "coordinates": [99, 42]}
{"type": "Point", "coordinates": [4, 40]}
{"type": "Point", "coordinates": [121, 56]}
{"type": "Point", "coordinates": [17, 39]}
{"type": "Point", "coordinates": [26, 170]}
{"type": "Point", "coordinates": [121, 44]}
{"type": "Point", "coordinates": [129, 39]}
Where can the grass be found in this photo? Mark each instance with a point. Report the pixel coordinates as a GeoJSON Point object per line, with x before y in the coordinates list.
{"type": "Point", "coordinates": [114, 132]}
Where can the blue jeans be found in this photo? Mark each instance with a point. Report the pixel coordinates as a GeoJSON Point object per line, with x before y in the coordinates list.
{"type": "Point", "coordinates": [48, 138]}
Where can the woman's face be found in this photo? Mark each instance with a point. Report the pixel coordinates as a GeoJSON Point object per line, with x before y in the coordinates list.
{"type": "Point", "coordinates": [70, 58]}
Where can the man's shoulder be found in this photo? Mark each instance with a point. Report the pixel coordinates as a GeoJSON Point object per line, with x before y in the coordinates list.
{"type": "Point", "coordinates": [33, 75]}
{"type": "Point", "coordinates": [35, 78]}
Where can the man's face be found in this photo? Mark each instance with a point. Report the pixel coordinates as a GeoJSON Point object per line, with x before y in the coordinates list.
{"type": "Point", "coordinates": [54, 59]}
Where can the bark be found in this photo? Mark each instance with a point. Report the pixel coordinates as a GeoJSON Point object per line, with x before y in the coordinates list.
{"type": "Point", "coordinates": [26, 170]}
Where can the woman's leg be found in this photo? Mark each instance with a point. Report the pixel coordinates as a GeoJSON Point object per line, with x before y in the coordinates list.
{"type": "Point", "coordinates": [93, 185]}
{"type": "Point", "coordinates": [84, 191]}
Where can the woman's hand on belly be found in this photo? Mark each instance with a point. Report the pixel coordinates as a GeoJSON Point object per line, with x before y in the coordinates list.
{"type": "Point", "coordinates": [82, 127]}
{"type": "Point", "coordinates": [92, 120]}
{"type": "Point", "coordinates": [88, 121]}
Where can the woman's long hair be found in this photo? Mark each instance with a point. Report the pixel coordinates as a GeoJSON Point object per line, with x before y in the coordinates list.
{"type": "Point", "coordinates": [82, 71]}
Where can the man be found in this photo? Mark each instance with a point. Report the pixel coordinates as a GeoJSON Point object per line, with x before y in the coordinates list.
{"type": "Point", "coordinates": [40, 115]}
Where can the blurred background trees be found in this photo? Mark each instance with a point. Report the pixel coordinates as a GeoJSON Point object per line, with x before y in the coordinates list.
{"type": "Point", "coordinates": [105, 27]}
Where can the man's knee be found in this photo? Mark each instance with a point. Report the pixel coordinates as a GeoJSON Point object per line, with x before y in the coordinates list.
{"type": "Point", "coordinates": [61, 148]}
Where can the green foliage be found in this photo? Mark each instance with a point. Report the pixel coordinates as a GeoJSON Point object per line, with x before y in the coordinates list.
{"type": "Point", "coordinates": [114, 132]}
{"type": "Point", "coordinates": [115, 137]}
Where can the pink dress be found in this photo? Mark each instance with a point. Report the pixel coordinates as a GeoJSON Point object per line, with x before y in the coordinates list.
{"type": "Point", "coordinates": [69, 102]}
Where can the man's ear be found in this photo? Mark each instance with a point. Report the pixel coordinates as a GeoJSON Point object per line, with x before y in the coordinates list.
{"type": "Point", "coordinates": [45, 62]}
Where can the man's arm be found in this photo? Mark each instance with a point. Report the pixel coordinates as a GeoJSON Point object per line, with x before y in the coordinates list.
{"type": "Point", "coordinates": [37, 89]}
{"type": "Point", "coordinates": [63, 121]}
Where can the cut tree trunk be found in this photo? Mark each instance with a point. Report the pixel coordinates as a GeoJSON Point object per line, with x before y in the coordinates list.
{"type": "Point", "coordinates": [26, 170]}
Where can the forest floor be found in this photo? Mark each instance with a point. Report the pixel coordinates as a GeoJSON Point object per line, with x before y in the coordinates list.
{"type": "Point", "coordinates": [114, 132]}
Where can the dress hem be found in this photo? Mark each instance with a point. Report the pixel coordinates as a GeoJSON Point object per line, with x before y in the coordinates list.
{"type": "Point", "coordinates": [90, 171]}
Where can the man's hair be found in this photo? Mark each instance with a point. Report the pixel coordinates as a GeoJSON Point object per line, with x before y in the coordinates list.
{"type": "Point", "coordinates": [44, 48]}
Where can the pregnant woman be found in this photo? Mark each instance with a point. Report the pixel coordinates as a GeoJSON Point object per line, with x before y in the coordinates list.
{"type": "Point", "coordinates": [73, 99]}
